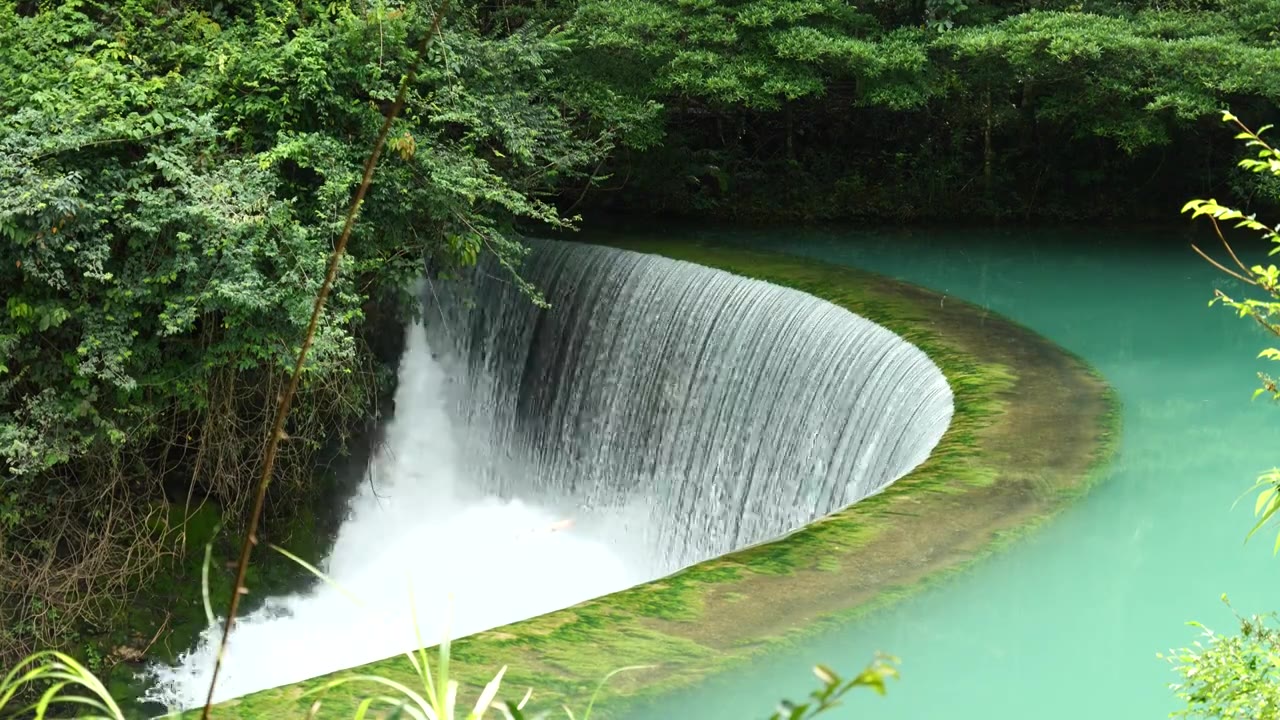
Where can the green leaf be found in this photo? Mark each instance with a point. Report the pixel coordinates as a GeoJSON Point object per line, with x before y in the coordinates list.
{"type": "Point", "coordinates": [1271, 510]}
{"type": "Point", "coordinates": [1264, 497]}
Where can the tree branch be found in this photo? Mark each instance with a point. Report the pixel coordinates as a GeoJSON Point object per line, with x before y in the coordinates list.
{"type": "Point", "coordinates": [286, 400]}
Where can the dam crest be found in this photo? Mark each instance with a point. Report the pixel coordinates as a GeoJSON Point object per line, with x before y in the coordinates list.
{"type": "Point", "coordinates": [723, 411]}
{"type": "Point", "coordinates": [657, 414]}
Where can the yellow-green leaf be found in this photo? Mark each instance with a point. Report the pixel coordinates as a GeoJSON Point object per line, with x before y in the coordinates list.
{"type": "Point", "coordinates": [1264, 497]}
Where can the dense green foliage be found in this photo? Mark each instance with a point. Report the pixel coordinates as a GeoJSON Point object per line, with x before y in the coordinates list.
{"type": "Point", "coordinates": [932, 109]}
{"type": "Point", "coordinates": [175, 178]}
{"type": "Point", "coordinates": [1231, 677]}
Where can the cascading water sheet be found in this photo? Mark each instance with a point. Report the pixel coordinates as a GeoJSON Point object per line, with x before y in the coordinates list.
{"type": "Point", "coordinates": [730, 410]}
{"type": "Point", "coordinates": [659, 413]}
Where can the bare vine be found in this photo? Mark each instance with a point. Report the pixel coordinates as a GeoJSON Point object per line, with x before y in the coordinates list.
{"type": "Point", "coordinates": [95, 542]}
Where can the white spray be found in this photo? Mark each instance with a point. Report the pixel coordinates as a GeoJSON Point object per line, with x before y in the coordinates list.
{"type": "Point", "coordinates": [414, 531]}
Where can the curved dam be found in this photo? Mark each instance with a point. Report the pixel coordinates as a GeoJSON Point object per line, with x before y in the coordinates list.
{"type": "Point", "coordinates": [728, 410]}
{"type": "Point", "coordinates": [657, 413]}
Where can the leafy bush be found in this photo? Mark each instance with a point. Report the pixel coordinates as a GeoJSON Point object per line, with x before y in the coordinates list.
{"type": "Point", "coordinates": [174, 180]}
{"type": "Point", "coordinates": [1231, 676]}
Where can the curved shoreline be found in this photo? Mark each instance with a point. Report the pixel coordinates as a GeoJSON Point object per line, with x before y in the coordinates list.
{"type": "Point", "coordinates": [1033, 426]}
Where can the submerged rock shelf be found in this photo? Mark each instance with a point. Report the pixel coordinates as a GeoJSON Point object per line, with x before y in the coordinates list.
{"type": "Point", "coordinates": [1031, 425]}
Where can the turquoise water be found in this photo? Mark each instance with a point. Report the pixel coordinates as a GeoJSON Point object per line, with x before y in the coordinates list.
{"type": "Point", "coordinates": [1066, 624]}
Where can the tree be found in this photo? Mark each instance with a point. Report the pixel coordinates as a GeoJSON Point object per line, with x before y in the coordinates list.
{"type": "Point", "coordinates": [826, 110]}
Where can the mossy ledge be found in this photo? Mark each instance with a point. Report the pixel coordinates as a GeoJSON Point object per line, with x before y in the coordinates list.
{"type": "Point", "coordinates": [1033, 428]}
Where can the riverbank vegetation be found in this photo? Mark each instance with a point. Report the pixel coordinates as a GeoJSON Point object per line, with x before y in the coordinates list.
{"type": "Point", "coordinates": [176, 174]}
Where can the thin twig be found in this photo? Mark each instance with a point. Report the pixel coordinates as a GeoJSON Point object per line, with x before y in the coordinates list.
{"type": "Point", "coordinates": [1221, 267]}
{"type": "Point", "coordinates": [286, 400]}
{"type": "Point", "coordinates": [1218, 229]}
{"type": "Point", "coordinates": [587, 187]}
{"type": "Point", "coordinates": [167, 617]}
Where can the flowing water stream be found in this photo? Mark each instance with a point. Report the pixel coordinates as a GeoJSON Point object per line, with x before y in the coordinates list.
{"type": "Point", "coordinates": [1066, 624]}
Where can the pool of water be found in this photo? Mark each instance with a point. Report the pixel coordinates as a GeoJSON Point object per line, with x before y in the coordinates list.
{"type": "Point", "coordinates": [1066, 624]}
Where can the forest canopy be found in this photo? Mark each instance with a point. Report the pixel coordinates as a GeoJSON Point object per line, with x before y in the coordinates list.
{"type": "Point", "coordinates": [823, 109]}
{"type": "Point", "coordinates": [176, 174]}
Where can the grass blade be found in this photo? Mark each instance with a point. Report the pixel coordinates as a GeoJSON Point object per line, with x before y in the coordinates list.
{"type": "Point", "coordinates": [204, 582]}
{"type": "Point", "coordinates": [586, 714]}
{"type": "Point", "coordinates": [488, 694]}
{"type": "Point", "coordinates": [423, 667]}
{"type": "Point", "coordinates": [318, 573]}
{"type": "Point", "coordinates": [404, 690]}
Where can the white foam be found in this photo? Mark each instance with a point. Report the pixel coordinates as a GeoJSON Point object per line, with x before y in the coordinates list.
{"type": "Point", "coordinates": [416, 529]}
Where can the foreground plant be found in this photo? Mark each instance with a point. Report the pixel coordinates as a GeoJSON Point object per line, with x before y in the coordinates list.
{"type": "Point", "coordinates": [439, 699]}
{"type": "Point", "coordinates": [834, 689]}
{"type": "Point", "coordinates": [1238, 676]}
{"type": "Point", "coordinates": [1231, 676]}
{"type": "Point", "coordinates": [60, 672]}
{"type": "Point", "coordinates": [63, 681]}
{"type": "Point", "coordinates": [1264, 311]}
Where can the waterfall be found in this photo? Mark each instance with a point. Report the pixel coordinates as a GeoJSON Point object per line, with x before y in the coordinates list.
{"type": "Point", "coordinates": [659, 413]}
{"type": "Point", "coordinates": [731, 410]}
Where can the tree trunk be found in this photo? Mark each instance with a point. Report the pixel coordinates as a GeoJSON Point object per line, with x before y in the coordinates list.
{"type": "Point", "coordinates": [791, 131]}
{"type": "Point", "coordinates": [987, 153]}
